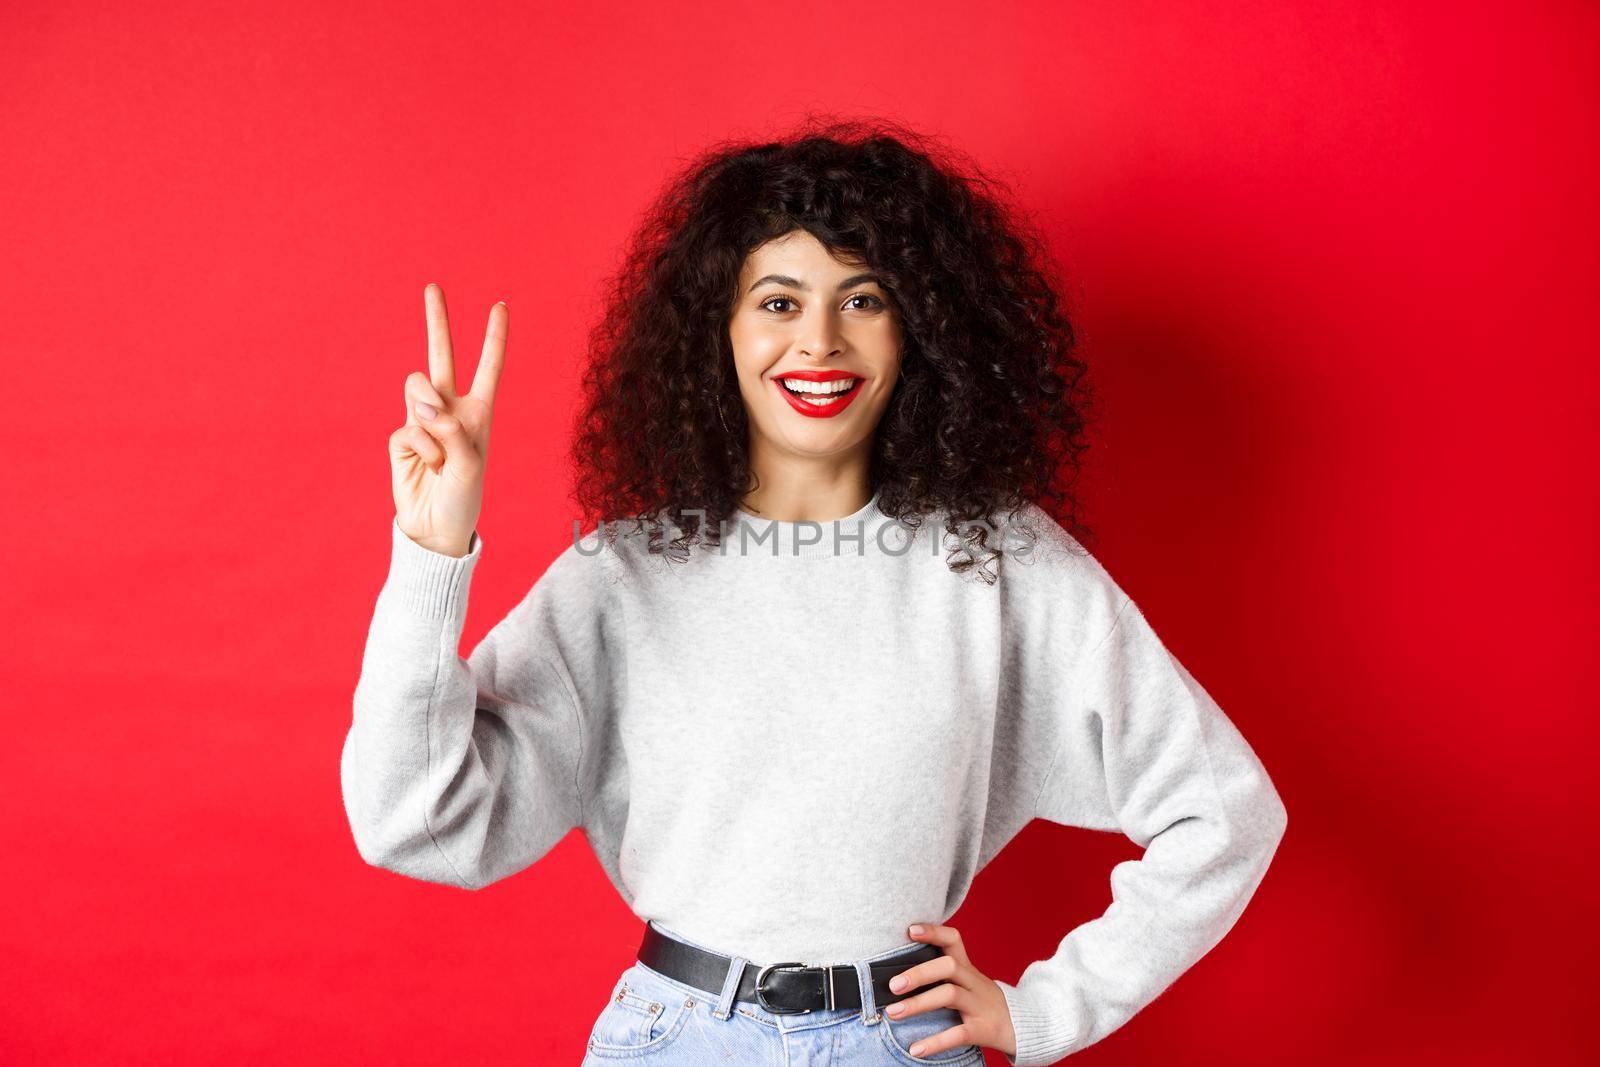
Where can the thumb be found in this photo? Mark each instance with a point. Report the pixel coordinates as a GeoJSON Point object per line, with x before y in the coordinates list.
{"type": "Point", "coordinates": [459, 454]}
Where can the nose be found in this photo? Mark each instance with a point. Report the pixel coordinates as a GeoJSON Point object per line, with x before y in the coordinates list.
{"type": "Point", "coordinates": [821, 337]}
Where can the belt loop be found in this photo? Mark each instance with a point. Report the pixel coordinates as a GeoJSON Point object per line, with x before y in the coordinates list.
{"type": "Point", "coordinates": [730, 987]}
{"type": "Point", "coordinates": [869, 1004]}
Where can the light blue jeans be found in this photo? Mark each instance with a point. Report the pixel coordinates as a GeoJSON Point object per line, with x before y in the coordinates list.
{"type": "Point", "coordinates": [656, 1020]}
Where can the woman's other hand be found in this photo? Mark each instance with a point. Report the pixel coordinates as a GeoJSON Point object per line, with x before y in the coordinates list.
{"type": "Point", "coordinates": [437, 458]}
{"type": "Point", "coordinates": [985, 1018]}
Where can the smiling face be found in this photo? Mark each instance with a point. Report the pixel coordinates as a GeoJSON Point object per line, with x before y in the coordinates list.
{"type": "Point", "coordinates": [816, 345]}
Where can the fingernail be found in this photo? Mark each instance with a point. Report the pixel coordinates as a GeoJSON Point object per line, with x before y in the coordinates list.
{"type": "Point", "coordinates": [916, 1050]}
{"type": "Point", "coordinates": [897, 983]}
{"type": "Point", "coordinates": [427, 411]}
{"type": "Point", "coordinates": [895, 1009]}
{"type": "Point", "coordinates": [505, 305]}
{"type": "Point", "coordinates": [916, 928]}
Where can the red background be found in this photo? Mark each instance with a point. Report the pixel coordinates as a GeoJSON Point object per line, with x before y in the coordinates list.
{"type": "Point", "coordinates": [1335, 268]}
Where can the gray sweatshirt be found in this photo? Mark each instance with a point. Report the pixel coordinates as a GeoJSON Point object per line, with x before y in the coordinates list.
{"type": "Point", "coordinates": [793, 747]}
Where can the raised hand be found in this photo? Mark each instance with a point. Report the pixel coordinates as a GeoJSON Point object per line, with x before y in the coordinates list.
{"type": "Point", "coordinates": [437, 458]}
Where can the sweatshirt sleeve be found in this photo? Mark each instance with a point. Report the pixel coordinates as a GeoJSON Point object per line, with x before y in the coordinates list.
{"type": "Point", "coordinates": [1142, 748]}
{"type": "Point", "coordinates": [462, 771]}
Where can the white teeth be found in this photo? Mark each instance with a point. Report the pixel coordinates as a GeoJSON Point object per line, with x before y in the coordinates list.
{"type": "Point", "coordinates": [795, 385]}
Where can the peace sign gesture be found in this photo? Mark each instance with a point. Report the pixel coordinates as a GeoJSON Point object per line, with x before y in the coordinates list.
{"type": "Point", "coordinates": [437, 458]}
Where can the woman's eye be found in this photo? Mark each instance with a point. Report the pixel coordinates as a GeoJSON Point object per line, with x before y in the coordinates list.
{"type": "Point", "coordinates": [874, 302]}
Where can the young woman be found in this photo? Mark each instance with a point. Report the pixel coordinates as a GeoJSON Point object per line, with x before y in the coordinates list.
{"type": "Point", "coordinates": [843, 651]}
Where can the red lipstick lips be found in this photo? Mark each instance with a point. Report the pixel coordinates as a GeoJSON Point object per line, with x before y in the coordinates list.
{"type": "Point", "coordinates": [827, 409]}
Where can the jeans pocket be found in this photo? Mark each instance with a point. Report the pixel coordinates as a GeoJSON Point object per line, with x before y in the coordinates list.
{"type": "Point", "coordinates": [640, 1018]}
{"type": "Point", "coordinates": [900, 1034]}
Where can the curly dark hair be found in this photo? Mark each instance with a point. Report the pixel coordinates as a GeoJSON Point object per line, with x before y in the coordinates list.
{"type": "Point", "coordinates": [990, 408]}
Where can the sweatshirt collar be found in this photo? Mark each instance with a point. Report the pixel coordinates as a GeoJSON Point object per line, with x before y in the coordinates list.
{"type": "Point", "coordinates": [856, 534]}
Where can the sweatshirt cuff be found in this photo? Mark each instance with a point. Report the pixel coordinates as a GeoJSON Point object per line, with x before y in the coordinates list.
{"type": "Point", "coordinates": [427, 583]}
{"type": "Point", "coordinates": [1043, 1036]}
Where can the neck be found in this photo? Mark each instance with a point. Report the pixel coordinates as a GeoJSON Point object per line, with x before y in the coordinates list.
{"type": "Point", "coordinates": [794, 489]}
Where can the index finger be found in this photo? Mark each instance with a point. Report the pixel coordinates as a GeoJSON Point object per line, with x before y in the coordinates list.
{"type": "Point", "coordinates": [487, 376]}
{"type": "Point", "coordinates": [441, 359]}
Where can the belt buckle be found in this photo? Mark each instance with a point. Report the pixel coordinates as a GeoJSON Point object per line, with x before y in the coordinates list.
{"type": "Point", "coordinates": [762, 1000]}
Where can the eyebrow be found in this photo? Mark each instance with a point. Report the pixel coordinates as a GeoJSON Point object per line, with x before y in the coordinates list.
{"type": "Point", "coordinates": [795, 283]}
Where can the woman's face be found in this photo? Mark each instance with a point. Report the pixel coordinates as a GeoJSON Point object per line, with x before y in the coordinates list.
{"type": "Point", "coordinates": [822, 325]}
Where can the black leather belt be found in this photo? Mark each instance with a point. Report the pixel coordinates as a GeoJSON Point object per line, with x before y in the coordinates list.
{"type": "Point", "coordinates": [779, 988]}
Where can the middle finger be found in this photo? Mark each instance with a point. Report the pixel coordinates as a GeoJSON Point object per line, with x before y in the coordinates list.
{"type": "Point", "coordinates": [933, 970]}
{"type": "Point", "coordinates": [441, 358]}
